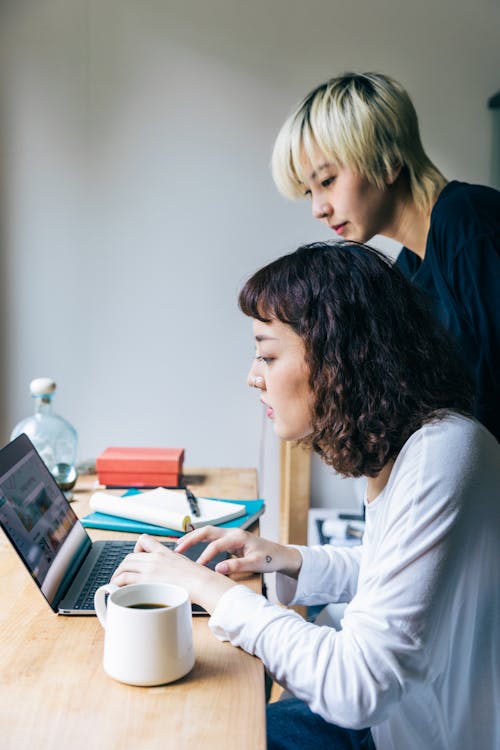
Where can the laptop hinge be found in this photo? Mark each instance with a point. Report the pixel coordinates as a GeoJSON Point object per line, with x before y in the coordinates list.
{"type": "Point", "coordinates": [72, 571]}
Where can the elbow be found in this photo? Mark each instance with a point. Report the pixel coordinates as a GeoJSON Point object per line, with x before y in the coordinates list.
{"type": "Point", "coordinates": [359, 692]}
{"type": "Point", "coordinates": [356, 712]}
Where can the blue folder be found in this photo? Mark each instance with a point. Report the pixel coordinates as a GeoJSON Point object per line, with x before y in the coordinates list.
{"type": "Point", "coordinates": [254, 509]}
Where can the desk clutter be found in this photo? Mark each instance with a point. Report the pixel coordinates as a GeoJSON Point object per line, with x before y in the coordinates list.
{"type": "Point", "coordinates": [335, 527]}
{"type": "Point", "coordinates": [140, 467]}
{"type": "Point", "coordinates": [156, 502]}
{"type": "Point", "coordinates": [167, 512]}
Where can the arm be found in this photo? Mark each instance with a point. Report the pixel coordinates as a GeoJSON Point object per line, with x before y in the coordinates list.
{"type": "Point", "coordinates": [353, 677]}
{"type": "Point", "coordinates": [151, 561]}
{"type": "Point", "coordinates": [475, 282]}
{"type": "Point", "coordinates": [306, 575]}
{"type": "Point", "coordinates": [327, 574]}
{"type": "Point", "coordinates": [251, 553]}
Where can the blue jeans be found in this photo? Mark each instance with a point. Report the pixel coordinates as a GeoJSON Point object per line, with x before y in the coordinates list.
{"type": "Point", "coordinates": [291, 725]}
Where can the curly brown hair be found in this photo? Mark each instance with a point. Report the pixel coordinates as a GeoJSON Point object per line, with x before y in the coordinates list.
{"type": "Point", "coordinates": [380, 366]}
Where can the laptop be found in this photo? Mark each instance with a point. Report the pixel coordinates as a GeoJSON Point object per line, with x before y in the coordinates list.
{"type": "Point", "coordinates": [45, 532]}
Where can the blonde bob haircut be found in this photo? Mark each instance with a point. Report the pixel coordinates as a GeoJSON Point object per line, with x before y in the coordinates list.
{"type": "Point", "coordinates": [365, 122]}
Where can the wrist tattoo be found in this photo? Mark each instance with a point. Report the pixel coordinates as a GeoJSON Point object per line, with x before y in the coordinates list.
{"type": "Point", "coordinates": [268, 559]}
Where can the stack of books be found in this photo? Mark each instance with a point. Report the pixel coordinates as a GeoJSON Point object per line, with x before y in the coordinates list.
{"type": "Point", "coordinates": [140, 467]}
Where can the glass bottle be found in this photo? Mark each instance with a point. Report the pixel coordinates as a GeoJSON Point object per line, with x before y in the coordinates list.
{"type": "Point", "coordinates": [54, 437]}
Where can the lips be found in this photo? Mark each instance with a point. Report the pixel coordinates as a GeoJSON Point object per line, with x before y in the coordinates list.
{"type": "Point", "coordinates": [269, 409]}
{"type": "Point", "coordinates": [339, 228]}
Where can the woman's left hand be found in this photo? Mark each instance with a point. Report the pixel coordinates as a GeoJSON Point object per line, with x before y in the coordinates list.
{"type": "Point", "coordinates": [152, 561]}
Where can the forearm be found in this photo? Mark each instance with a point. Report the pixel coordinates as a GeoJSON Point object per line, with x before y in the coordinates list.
{"type": "Point", "coordinates": [248, 552]}
{"type": "Point", "coordinates": [151, 561]}
{"type": "Point", "coordinates": [207, 587]}
{"type": "Point", "coordinates": [338, 674]}
{"type": "Point", "coordinates": [327, 574]}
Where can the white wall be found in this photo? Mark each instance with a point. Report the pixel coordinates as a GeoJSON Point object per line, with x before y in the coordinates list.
{"type": "Point", "coordinates": [136, 194]}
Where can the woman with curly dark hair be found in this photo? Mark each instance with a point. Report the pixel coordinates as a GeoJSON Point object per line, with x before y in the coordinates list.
{"type": "Point", "coordinates": [349, 362]}
{"type": "Point", "coordinates": [379, 371]}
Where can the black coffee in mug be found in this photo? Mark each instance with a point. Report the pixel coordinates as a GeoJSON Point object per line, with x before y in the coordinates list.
{"type": "Point", "coordinates": [147, 605]}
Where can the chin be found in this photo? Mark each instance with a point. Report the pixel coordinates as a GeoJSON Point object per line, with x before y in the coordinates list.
{"type": "Point", "coordinates": [290, 435]}
{"type": "Point", "coordinates": [284, 434]}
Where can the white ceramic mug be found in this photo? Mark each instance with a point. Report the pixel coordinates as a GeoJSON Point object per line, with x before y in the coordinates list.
{"type": "Point", "coordinates": [146, 646]}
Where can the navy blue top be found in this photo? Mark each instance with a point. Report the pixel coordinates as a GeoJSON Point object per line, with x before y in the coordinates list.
{"type": "Point", "coordinates": [460, 274]}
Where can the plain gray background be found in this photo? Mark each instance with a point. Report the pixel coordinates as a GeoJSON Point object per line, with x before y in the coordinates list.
{"type": "Point", "coordinates": [136, 195]}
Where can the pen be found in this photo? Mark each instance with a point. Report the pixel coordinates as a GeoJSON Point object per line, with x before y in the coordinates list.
{"type": "Point", "coordinates": [193, 502]}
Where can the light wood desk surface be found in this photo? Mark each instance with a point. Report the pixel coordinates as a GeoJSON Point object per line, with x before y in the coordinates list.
{"type": "Point", "coordinates": [55, 694]}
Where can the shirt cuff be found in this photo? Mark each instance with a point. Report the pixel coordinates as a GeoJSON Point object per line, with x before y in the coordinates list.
{"type": "Point", "coordinates": [233, 608]}
{"type": "Point", "coordinates": [241, 616]}
{"type": "Point", "coordinates": [291, 591]}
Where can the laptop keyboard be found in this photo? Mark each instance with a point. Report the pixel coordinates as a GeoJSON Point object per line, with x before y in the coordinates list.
{"type": "Point", "coordinates": [111, 557]}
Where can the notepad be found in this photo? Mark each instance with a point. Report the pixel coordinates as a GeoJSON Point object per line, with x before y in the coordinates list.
{"type": "Point", "coordinates": [253, 510]}
{"type": "Point", "coordinates": [167, 508]}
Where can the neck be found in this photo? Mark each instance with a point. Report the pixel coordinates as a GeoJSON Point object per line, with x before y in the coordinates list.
{"type": "Point", "coordinates": [375, 485]}
{"type": "Point", "coordinates": [409, 225]}
{"type": "Point", "coordinates": [412, 230]}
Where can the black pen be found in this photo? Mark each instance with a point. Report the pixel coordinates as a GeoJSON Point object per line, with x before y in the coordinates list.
{"type": "Point", "coordinates": [193, 502]}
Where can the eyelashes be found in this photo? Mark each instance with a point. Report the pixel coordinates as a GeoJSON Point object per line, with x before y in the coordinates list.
{"type": "Point", "coordinates": [266, 360]}
{"type": "Point", "coordinates": [324, 184]}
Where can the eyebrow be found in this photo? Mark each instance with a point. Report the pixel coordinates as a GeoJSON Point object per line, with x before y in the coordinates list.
{"type": "Point", "coordinates": [263, 337]}
{"type": "Point", "coordinates": [321, 168]}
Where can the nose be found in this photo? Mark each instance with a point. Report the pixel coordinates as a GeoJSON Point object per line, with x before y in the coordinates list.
{"type": "Point", "coordinates": [321, 209]}
{"type": "Point", "coordinates": [257, 382]}
{"type": "Point", "coordinates": [254, 380]}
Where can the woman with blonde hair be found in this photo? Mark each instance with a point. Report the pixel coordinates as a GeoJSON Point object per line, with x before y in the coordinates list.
{"type": "Point", "coordinates": [353, 147]}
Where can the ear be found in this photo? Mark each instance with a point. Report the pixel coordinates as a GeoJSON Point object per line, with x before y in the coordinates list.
{"type": "Point", "coordinates": [392, 175]}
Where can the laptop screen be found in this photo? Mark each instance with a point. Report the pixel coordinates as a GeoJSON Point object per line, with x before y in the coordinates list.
{"type": "Point", "coordinates": [38, 519]}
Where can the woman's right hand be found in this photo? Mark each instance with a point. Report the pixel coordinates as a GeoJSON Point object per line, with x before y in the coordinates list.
{"type": "Point", "coordinates": [251, 553]}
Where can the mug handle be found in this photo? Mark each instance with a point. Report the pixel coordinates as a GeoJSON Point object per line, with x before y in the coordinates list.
{"type": "Point", "coordinates": [101, 601]}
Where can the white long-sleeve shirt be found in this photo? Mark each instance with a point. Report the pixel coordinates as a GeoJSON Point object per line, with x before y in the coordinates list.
{"type": "Point", "coordinates": [418, 655]}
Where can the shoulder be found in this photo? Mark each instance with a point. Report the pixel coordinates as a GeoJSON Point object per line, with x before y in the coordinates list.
{"type": "Point", "coordinates": [407, 262]}
{"type": "Point", "coordinates": [464, 217]}
{"type": "Point", "coordinates": [442, 467]}
{"type": "Point", "coordinates": [452, 447]}
{"type": "Point", "coordinates": [452, 429]}
{"type": "Point", "coordinates": [471, 208]}
{"type": "Point", "coordinates": [468, 197]}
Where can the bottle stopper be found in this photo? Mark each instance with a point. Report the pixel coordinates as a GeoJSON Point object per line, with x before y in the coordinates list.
{"type": "Point", "coordinates": [42, 386]}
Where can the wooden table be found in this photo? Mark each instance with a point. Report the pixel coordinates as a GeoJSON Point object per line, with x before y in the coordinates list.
{"type": "Point", "coordinates": [55, 694]}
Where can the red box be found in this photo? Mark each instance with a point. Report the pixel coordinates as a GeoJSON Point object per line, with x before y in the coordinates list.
{"type": "Point", "coordinates": [140, 467]}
